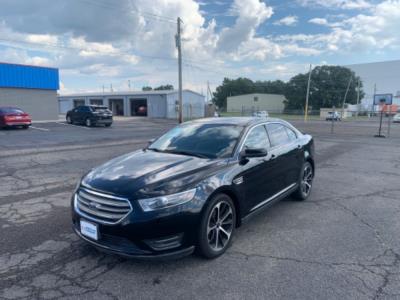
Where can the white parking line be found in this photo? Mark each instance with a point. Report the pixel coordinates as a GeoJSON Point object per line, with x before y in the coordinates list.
{"type": "Point", "coordinates": [66, 124]}
{"type": "Point", "coordinates": [38, 128]}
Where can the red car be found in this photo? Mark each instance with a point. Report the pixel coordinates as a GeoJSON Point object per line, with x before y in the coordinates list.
{"type": "Point", "coordinates": [12, 117]}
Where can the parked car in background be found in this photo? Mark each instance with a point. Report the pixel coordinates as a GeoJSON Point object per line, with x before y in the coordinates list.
{"type": "Point", "coordinates": [141, 111]}
{"type": "Point", "coordinates": [261, 114]}
{"type": "Point", "coordinates": [396, 118]}
{"type": "Point", "coordinates": [14, 117]}
{"type": "Point", "coordinates": [333, 115]}
{"type": "Point", "coordinates": [192, 187]}
{"type": "Point", "coordinates": [90, 115]}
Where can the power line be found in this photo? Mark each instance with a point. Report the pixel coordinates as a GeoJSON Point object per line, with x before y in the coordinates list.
{"type": "Point", "coordinates": [144, 14]}
{"type": "Point", "coordinates": [64, 47]}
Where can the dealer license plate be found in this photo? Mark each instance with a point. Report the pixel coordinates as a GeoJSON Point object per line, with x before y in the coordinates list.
{"type": "Point", "coordinates": [89, 229]}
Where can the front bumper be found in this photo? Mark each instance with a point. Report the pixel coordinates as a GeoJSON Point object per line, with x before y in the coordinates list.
{"type": "Point", "coordinates": [139, 254]}
{"type": "Point", "coordinates": [167, 234]}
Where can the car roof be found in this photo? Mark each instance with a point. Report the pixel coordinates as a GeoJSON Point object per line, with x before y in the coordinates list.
{"type": "Point", "coordinates": [240, 121]}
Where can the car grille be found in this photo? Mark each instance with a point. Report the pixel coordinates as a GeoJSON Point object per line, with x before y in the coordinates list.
{"type": "Point", "coordinates": [102, 208]}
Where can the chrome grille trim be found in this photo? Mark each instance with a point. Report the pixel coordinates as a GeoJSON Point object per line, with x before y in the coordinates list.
{"type": "Point", "coordinates": [101, 208]}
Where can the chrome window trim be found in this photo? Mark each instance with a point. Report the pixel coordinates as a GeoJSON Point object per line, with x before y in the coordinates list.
{"type": "Point", "coordinates": [273, 197]}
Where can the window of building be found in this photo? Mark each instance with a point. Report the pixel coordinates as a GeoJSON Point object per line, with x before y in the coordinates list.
{"type": "Point", "coordinates": [96, 102]}
{"type": "Point", "coordinates": [79, 102]}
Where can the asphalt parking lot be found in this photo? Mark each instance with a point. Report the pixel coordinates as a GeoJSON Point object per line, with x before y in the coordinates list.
{"type": "Point", "coordinates": [342, 243]}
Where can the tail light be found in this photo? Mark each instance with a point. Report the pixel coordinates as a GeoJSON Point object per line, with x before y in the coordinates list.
{"type": "Point", "coordinates": [9, 118]}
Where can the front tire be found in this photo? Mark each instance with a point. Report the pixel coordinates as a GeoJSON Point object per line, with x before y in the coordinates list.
{"type": "Point", "coordinates": [305, 182]}
{"type": "Point", "coordinates": [217, 227]}
{"type": "Point", "coordinates": [69, 120]}
{"type": "Point", "coordinates": [88, 122]}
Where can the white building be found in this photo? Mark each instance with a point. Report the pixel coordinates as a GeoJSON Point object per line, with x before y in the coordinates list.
{"type": "Point", "coordinates": [256, 102]}
{"type": "Point", "coordinates": [379, 78]}
{"type": "Point", "coordinates": [159, 104]}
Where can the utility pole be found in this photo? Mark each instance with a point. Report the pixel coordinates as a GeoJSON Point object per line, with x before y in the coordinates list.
{"type": "Point", "coordinates": [308, 94]}
{"type": "Point", "coordinates": [129, 84]}
{"type": "Point", "coordinates": [111, 88]}
{"type": "Point", "coordinates": [345, 95]}
{"type": "Point", "coordinates": [103, 88]}
{"type": "Point", "coordinates": [178, 45]}
{"type": "Point", "coordinates": [358, 98]}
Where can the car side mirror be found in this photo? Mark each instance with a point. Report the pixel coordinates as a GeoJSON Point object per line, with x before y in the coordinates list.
{"type": "Point", "coordinates": [151, 141]}
{"type": "Point", "coordinates": [247, 153]}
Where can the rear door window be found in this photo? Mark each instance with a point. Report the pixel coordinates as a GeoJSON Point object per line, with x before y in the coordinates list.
{"type": "Point", "coordinates": [278, 134]}
{"type": "Point", "coordinates": [292, 135]}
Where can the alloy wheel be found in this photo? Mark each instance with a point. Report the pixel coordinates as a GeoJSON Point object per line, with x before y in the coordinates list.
{"type": "Point", "coordinates": [220, 226]}
{"type": "Point", "coordinates": [88, 123]}
{"type": "Point", "coordinates": [306, 181]}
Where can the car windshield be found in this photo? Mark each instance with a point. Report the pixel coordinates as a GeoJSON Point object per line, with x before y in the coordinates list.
{"type": "Point", "coordinates": [202, 140]}
{"type": "Point", "coordinates": [11, 110]}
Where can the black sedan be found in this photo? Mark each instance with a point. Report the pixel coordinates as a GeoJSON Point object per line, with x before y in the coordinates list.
{"type": "Point", "coordinates": [90, 115]}
{"type": "Point", "coordinates": [192, 187]}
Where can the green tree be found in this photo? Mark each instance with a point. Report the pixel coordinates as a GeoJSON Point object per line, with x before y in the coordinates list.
{"type": "Point", "coordinates": [327, 88]}
{"type": "Point", "coordinates": [164, 87]}
{"type": "Point", "coordinates": [147, 88]}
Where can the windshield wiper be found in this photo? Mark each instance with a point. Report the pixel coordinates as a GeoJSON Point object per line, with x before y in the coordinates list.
{"type": "Point", "coordinates": [154, 149]}
{"type": "Point", "coordinates": [183, 152]}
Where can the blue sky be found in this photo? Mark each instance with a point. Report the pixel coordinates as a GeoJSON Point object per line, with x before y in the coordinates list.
{"type": "Point", "coordinates": [103, 42]}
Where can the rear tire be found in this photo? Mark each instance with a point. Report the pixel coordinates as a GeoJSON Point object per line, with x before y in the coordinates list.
{"type": "Point", "coordinates": [69, 120]}
{"type": "Point", "coordinates": [108, 125]}
{"type": "Point", "coordinates": [217, 227]}
{"type": "Point", "coordinates": [305, 182]}
{"type": "Point", "coordinates": [25, 126]}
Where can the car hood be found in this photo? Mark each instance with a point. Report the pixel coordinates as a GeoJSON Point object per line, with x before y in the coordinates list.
{"type": "Point", "coordinates": [146, 173]}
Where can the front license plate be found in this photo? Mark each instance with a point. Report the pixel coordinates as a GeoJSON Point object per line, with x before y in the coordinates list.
{"type": "Point", "coordinates": [90, 230]}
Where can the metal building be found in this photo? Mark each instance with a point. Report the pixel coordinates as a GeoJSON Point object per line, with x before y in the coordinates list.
{"type": "Point", "coordinates": [256, 102]}
{"type": "Point", "coordinates": [378, 78]}
{"type": "Point", "coordinates": [30, 88]}
{"type": "Point", "coordinates": [158, 104]}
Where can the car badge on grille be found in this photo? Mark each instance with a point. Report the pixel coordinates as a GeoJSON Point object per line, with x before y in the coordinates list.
{"type": "Point", "coordinates": [94, 205]}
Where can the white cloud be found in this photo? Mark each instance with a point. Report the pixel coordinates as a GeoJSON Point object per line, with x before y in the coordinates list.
{"type": "Point", "coordinates": [288, 21]}
{"type": "Point", "coordinates": [337, 4]}
{"type": "Point", "coordinates": [318, 21]}
{"type": "Point", "coordinates": [250, 14]}
{"type": "Point", "coordinates": [116, 42]}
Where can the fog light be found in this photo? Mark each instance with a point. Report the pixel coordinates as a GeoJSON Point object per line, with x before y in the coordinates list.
{"type": "Point", "coordinates": [165, 243]}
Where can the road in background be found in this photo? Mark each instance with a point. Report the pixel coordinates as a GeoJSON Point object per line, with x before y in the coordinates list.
{"type": "Point", "coordinates": [342, 243]}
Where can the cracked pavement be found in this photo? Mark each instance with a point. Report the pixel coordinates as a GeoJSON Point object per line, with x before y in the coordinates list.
{"type": "Point", "coordinates": [342, 243]}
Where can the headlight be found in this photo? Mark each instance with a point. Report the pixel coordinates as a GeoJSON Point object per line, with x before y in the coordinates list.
{"type": "Point", "coordinates": [161, 202]}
